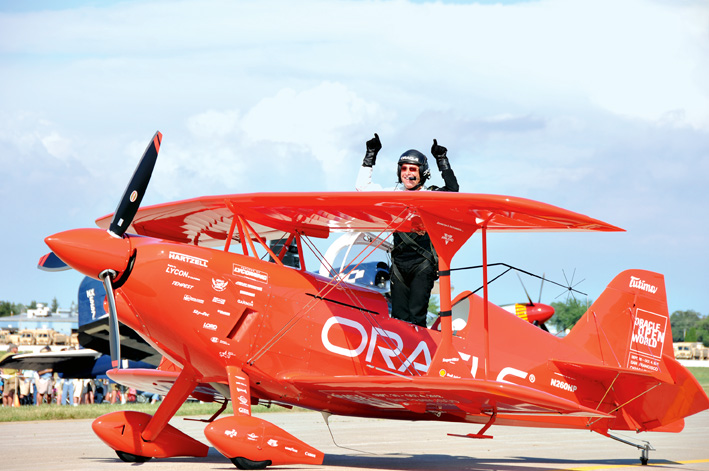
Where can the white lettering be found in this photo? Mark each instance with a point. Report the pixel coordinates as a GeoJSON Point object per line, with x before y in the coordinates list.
{"type": "Point", "coordinates": [187, 297]}
{"type": "Point", "coordinates": [188, 259]}
{"type": "Point", "coordinates": [209, 326]}
{"type": "Point", "coordinates": [180, 284]}
{"type": "Point", "coordinates": [636, 282]}
{"type": "Point", "coordinates": [256, 275]}
{"type": "Point", "coordinates": [509, 371]}
{"type": "Point", "coordinates": [563, 385]}
{"type": "Point", "coordinates": [341, 350]}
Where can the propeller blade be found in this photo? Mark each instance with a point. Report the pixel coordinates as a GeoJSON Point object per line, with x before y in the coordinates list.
{"type": "Point", "coordinates": [113, 334]}
{"type": "Point", "coordinates": [540, 288]}
{"type": "Point", "coordinates": [133, 195]}
{"type": "Point", "coordinates": [50, 262]}
{"type": "Point", "coordinates": [525, 289]}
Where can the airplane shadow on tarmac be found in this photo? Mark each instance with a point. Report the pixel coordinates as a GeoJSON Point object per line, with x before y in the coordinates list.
{"type": "Point", "coordinates": [405, 462]}
{"type": "Point", "coordinates": [449, 462]}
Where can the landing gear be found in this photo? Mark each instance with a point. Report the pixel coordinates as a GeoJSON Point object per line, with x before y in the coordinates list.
{"type": "Point", "coordinates": [642, 445]}
{"type": "Point", "coordinates": [131, 458]}
{"type": "Point", "coordinates": [243, 463]}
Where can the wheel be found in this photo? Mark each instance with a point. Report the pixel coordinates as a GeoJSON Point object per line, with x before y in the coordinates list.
{"type": "Point", "coordinates": [131, 458]}
{"type": "Point", "coordinates": [643, 461]}
{"type": "Point", "coordinates": [243, 463]}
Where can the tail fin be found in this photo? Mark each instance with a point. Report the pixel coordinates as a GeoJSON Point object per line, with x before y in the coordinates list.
{"type": "Point", "coordinates": [628, 330]}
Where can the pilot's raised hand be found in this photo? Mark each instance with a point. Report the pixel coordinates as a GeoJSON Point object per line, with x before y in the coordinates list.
{"type": "Point", "coordinates": [373, 147]}
{"type": "Point", "coordinates": [440, 154]}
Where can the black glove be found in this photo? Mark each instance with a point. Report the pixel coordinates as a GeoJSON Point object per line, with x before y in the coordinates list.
{"type": "Point", "coordinates": [440, 153]}
{"type": "Point", "coordinates": [373, 147]}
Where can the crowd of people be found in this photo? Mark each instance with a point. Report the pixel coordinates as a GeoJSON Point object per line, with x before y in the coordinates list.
{"type": "Point", "coordinates": [30, 387]}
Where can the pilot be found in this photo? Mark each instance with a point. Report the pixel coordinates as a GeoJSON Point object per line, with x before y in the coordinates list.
{"type": "Point", "coordinates": [415, 263]}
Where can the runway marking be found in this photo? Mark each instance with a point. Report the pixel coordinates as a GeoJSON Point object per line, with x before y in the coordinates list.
{"type": "Point", "coordinates": [659, 463]}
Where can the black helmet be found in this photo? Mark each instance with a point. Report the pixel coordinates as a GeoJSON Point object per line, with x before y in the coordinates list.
{"type": "Point", "coordinates": [414, 157]}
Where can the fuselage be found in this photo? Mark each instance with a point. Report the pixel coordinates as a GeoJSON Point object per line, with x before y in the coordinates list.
{"type": "Point", "coordinates": [211, 308]}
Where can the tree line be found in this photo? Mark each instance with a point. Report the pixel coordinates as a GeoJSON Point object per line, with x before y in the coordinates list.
{"type": "Point", "coordinates": [8, 308]}
{"type": "Point", "coordinates": [687, 326]}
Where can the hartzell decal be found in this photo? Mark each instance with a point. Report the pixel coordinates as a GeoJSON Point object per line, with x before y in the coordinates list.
{"type": "Point", "coordinates": [188, 259]}
{"type": "Point", "coordinates": [251, 273]}
{"type": "Point", "coordinates": [636, 282]}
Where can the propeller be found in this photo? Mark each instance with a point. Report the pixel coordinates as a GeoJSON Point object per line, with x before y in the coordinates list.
{"type": "Point", "coordinates": [543, 311]}
{"type": "Point", "coordinates": [570, 286]}
{"type": "Point", "coordinates": [106, 255]}
{"type": "Point", "coordinates": [133, 195]}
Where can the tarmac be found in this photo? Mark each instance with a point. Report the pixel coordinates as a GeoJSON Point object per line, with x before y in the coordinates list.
{"type": "Point", "coordinates": [373, 444]}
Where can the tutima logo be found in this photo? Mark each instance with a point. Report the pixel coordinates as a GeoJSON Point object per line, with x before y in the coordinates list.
{"type": "Point", "coordinates": [636, 282]}
{"type": "Point", "coordinates": [256, 275]}
{"type": "Point", "coordinates": [188, 259]}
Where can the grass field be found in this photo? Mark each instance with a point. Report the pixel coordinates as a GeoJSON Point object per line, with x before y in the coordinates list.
{"type": "Point", "coordinates": [90, 411]}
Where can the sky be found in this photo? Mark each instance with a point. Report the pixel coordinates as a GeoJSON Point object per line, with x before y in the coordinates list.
{"type": "Point", "coordinates": [597, 106]}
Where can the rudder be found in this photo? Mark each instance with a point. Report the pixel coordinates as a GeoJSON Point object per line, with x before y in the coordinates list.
{"type": "Point", "coordinates": [628, 330]}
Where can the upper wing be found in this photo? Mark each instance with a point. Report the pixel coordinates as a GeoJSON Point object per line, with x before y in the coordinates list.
{"type": "Point", "coordinates": [207, 220]}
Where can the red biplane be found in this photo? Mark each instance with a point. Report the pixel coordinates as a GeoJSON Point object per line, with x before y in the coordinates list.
{"type": "Point", "coordinates": [197, 280]}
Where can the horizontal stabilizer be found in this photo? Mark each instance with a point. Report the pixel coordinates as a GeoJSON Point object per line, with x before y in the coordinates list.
{"type": "Point", "coordinates": [50, 262]}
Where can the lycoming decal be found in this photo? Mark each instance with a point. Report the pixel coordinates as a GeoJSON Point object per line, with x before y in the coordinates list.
{"type": "Point", "coordinates": [256, 275]}
{"type": "Point", "coordinates": [188, 259]}
{"type": "Point", "coordinates": [636, 282]}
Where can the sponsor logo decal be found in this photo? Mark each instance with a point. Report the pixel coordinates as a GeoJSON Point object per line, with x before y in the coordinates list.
{"type": "Point", "coordinates": [223, 313]}
{"type": "Point", "coordinates": [200, 313]}
{"type": "Point", "coordinates": [187, 297]}
{"type": "Point", "coordinates": [209, 326]}
{"type": "Point", "coordinates": [245, 303]}
{"type": "Point", "coordinates": [272, 442]}
{"type": "Point", "coordinates": [230, 433]}
{"type": "Point", "coordinates": [636, 282]}
{"type": "Point", "coordinates": [218, 300]}
{"type": "Point", "coordinates": [181, 257]}
{"type": "Point", "coordinates": [247, 285]}
{"type": "Point", "coordinates": [247, 293]}
{"type": "Point", "coordinates": [219, 285]}
{"type": "Point", "coordinates": [173, 270]}
{"type": "Point", "coordinates": [256, 275]}
{"type": "Point", "coordinates": [180, 284]}
{"type": "Point", "coordinates": [252, 436]}
{"type": "Point", "coordinates": [447, 238]}
{"type": "Point", "coordinates": [647, 340]}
